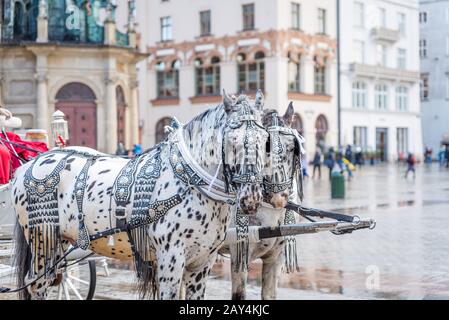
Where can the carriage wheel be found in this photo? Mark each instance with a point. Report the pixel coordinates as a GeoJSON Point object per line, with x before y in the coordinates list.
{"type": "Point", "coordinates": [77, 282]}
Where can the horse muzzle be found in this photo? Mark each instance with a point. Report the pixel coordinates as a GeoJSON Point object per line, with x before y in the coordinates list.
{"type": "Point", "coordinates": [250, 198]}
{"type": "Point", "coordinates": [279, 200]}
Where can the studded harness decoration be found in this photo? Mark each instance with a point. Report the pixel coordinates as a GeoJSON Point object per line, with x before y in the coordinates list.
{"type": "Point", "coordinates": [43, 214]}
{"type": "Point", "coordinates": [276, 149]}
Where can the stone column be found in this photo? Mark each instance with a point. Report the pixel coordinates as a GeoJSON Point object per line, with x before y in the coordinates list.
{"type": "Point", "coordinates": [111, 116]}
{"type": "Point", "coordinates": [134, 113]}
{"type": "Point", "coordinates": [42, 101]}
{"type": "Point", "coordinates": [43, 117]}
{"type": "Point", "coordinates": [42, 23]}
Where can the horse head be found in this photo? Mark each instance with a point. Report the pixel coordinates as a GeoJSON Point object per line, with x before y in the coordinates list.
{"type": "Point", "coordinates": [244, 150]}
{"type": "Point", "coordinates": [284, 154]}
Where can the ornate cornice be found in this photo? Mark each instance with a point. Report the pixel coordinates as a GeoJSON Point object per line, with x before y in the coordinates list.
{"type": "Point", "coordinates": [272, 43]}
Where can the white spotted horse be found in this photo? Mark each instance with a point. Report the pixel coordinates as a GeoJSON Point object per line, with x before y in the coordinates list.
{"type": "Point", "coordinates": [282, 182]}
{"type": "Point", "coordinates": [167, 209]}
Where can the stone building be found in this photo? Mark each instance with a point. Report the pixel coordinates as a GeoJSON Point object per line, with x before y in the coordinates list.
{"type": "Point", "coordinates": [198, 48]}
{"type": "Point", "coordinates": [69, 55]}
{"type": "Point", "coordinates": [380, 107]}
{"type": "Point", "coordinates": [434, 54]}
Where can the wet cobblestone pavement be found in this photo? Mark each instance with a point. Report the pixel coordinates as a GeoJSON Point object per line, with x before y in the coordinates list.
{"type": "Point", "coordinates": [405, 257]}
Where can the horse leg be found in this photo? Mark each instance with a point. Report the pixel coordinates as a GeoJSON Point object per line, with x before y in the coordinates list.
{"type": "Point", "coordinates": [271, 271]}
{"type": "Point", "coordinates": [195, 280]}
{"type": "Point", "coordinates": [169, 273]}
{"type": "Point", "coordinates": [238, 279]}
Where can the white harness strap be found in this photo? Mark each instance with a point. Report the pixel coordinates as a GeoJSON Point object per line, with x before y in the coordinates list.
{"type": "Point", "coordinates": [216, 188]}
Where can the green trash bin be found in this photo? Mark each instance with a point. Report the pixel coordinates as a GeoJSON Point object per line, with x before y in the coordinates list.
{"type": "Point", "coordinates": [337, 185]}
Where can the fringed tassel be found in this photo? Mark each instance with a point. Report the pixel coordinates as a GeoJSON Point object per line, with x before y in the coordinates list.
{"type": "Point", "coordinates": [242, 227]}
{"type": "Point", "coordinates": [291, 264]}
{"type": "Point", "coordinates": [143, 261]}
{"type": "Point", "coordinates": [45, 240]}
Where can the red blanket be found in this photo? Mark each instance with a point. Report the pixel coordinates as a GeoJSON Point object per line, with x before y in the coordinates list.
{"type": "Point", "coordinates": [25, 154]}
{"type": "Point", "coordinates": [5, 165]}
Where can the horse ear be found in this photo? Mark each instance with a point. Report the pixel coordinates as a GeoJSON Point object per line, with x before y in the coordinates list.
{"type": "Point", "coordinates": [259, 100]}
{"type": "Point", "coordinates": [227, 102]}
{"type": "Point", "coordinates": [288, 116]}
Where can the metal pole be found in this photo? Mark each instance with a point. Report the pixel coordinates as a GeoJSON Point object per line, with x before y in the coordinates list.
{"type": "Point", "coordinates": [338, 75]}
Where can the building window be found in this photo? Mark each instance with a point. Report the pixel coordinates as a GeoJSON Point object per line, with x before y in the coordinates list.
{"type": "Point", "coordinates": [166, 29]}
{"type": "Point", "coordinates": [359, 14]}
{"type": "Point", "coordinates": [423, 17]}
{"type": "Point", "coordinates": [168, 80]}
{"type": "Point", "coordinates": [402, 59]}
{"type": "Point", "coordinates": [381, 97]}
{"type": "Point", "coordinates": [381, 51]}
{"type": "Point", "coordinates": [321, 129]}
{"type": "Point", "coordinates": [359, 51]}
{"type": "Point", "coordinates": [423, 48]}
{"type": "Point", "coordinates": [361, 137]}
{"type": "Point", "coordinates": [320, 76]}
{"type": "Point", "coordinates": [424, 87]}
{"type": "Point", "coordinates": [402, 23]}
{"type": "Point", "coordinates": [401, 98]}
{"type": "Point", "coordinates": [207, 77]}
{"type": "Point", "coordinates": [251, 75]}
{"type": "Point", "coordinates": [294, 72]}
{"type": "Point", "coordinates": [402, 140]}
{"type": "Point", "coordinates": [248, 16]}
{"type": "Point", "coordinates": [359, 94]}
{"type": "Point", "coordinates": [298, 124]}
{"type": "Point", "coordinates": [382, 18]}
{"type": "Point", "coordinates": [161, 135]}
{"type": "Point", "coordinates": [322, 21]}
{"type": "Point", "coordinates": [205, 28]}
{"type": "Point", "coordinates": [296, 16]}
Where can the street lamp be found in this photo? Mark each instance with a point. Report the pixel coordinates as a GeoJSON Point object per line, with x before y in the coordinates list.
{"type": "Point", "coordinates": [59, 129]}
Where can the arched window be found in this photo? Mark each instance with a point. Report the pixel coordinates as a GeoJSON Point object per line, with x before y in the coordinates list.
{"type": "Point", "coordinates": [207, 77]}
{"type": "Point", "coordinates": [401, 98]}
{"type": "Point", "coordinates": [294, 72]}
{"type": "Point", "coordinates": [168, 80]}
{"type": "Point", "coordinates": [251, 75]}
{"type": "Point", "coordinates": [320, 76]}
{"type": "Point", "coordinates": [321, 127]}
{"type": "Point", "coordinates": [298, 124]}
{"type": "Point", "coordinates": [160, 129]}
{"type": "Point", "coordinates": [18, 27]}
{"type": "Point", "coordinates": [381, 96]}
{"type": "Point", "coordinates": [359, 94]}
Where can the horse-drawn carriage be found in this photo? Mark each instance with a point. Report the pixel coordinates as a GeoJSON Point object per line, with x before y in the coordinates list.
{"type": "Point", "coordinates": [169, 209]}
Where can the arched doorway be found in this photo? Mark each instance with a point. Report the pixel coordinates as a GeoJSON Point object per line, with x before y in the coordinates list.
{"type": "Point", "coordinates": [121, 115]}
{"type": "Point", "coordinates": [77, 101]}
{"type": "Point", "coordinates": [322, 128]}
{"type": "Point", "coordinates": [298, 124]}
{"type": "Point", "coordinates": [160, 129]}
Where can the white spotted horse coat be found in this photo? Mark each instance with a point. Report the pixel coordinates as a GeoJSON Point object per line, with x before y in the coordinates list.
{"type": "Point", "coordinates": [279, 174]}
{"type": "Point", "coordinates": [67, 194]}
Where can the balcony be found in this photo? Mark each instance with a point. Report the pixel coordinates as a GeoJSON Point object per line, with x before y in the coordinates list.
{"type": "Point", "coordinates": [379, 72]}
{"type": "Point", "coordinates": [385, 35]}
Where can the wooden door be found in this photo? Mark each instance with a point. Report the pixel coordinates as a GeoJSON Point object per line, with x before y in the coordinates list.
{"type": "Point", "coordinates": [82, 120]}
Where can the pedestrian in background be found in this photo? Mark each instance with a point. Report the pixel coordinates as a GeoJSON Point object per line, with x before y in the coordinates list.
{"type": "Point", "coordinates": [411, 161]}
{"type": "Point", "coordinates": [441, 156]}
{"type": "Point", "coordinates": [304, 165]}
{"type": "Point", "coordinates": [137, 150]}
{"type": "Point", "coordinates": [348, 153]}
{"type": "Point", "coordinates": [317, 164]}
{"type": "Point", "coordinates": [447, 156]}
{"type": "Point", "coordinates": [359, 157]}
{"type": "Point", "coordinates": [330, 161]}
{"type": "Point", "coordinates": [428, 155]}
